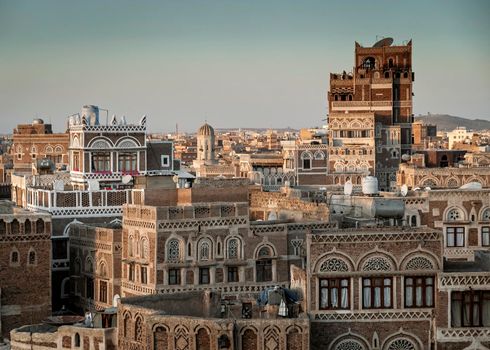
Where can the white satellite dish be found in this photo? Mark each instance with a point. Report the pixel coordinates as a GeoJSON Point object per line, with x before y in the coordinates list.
{"type": "Point", "coordinates": [474, 185]}
{"type": "Point", "coordinates": [115, 300]}
{"type": "Point", "coordinates": [348, 188]}
{"type": "Point", "coordinates": [126, 179]}
{"type": "Point", "coordinates": [427, 188]}
{"type": "Point", "coordinates": [404, 190]}
{"type": "Point", "coordinates": [272, 216]}
{"type": "Point", "coordinates": [93, 185]}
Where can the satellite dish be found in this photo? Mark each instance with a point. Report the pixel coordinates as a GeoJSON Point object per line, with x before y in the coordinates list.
{"type": "Point", "coordinates": [416, 189]}
{"type": "Point", "coordinates": [384, 42]}
{"type": "Point", "coordinates": [175, 178]}
{"type": "Point", "coordinates": [406, 157]}
{"type": "Point", "coordinates": [473, 185]}
{"type": "Point", "coordinates": [427, 188]}
{"type": "Point", "coordinates": [115, 300]}
{"type": "Point", "coordinates": [93, 185]}
{"type": "Point", "coordinates": [126, 179]}
{"type": "Point", "coordinates": [404, 190]}
{"type": "Point", "coordinates": [348, 188]}
{"type": "Point", "coordinates": [272, 216]}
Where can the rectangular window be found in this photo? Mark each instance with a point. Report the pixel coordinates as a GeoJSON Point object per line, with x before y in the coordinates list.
{"type": "Point", "coordinates": [455, 236]}
{"type": "Point", "coordinates": [470, 309]}
{"type": "Point", "coordinates": [334, 293]}
{"type": "Point", "coordinates": [103, 291]}
{"type": "Point", "coordinates": [143, 275]}
{"type": "Point", "coordinates": [165, 161]}
{"type": "Point", "coordinates": [306, 163]}
{"type": "Point", "coordinates": [127, 162]}
{"type": "Point", "coordinates": [101, 162]}
{"type": "Point", "coordinates": [419, 291]}
{"type": "Point", "coordinates": [204, 275]}
{"type": "Point", "coordinates": [485, 236]}
{"type": "Point", "coordinates": [264, 270]}
{"type": "Point", "coordinates": [377, 293]}
{"type": "Point", "coordinates": [173, 276]}
{"type": "Point", "coordinates": [232, 274]}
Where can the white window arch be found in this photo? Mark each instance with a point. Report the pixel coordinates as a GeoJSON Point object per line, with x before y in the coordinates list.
{"type": "Point", "coordinates": [174, 250]}
{"type": "Point", "coordinates": [233, 248]}
{"type": "Point", "coordinates": [205, 249]}
{"type": "Point", "coordinates": [144, 248]}
{"type": "Point", "coordinates": [455, 214]}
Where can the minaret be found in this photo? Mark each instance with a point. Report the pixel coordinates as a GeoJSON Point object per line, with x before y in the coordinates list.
{"type": "Point", "coordinates": [205, 144]}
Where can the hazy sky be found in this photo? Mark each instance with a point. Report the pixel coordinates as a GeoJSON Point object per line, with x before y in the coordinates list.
{"type": "Point", "coordinates": [235, 63]}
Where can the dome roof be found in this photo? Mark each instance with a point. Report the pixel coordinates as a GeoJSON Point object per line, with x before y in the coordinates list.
{"type": "Point", "coordinates": [205, 130]}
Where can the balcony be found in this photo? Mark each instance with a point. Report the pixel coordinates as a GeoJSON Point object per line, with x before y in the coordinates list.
{"type": "Point", "coordinates": [70, 204]}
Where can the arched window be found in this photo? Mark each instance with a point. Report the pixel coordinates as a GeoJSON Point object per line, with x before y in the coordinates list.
{"type": "Point", "coordinates": [39, 226]}
{"type": "Point", "coordinates": [27, 226]}
{"type": "Point", "coordinates": [454, 215]}
{"type": "Point", "coordinates": [160, 338]}
{"type": "Point", "coordinates": [102, 269]}
{"type": "Point", "coordinates": [32, 258]}
{"type": "Point", "coordinates": [390, 63]}
{"type": "Point", "coordinates": [3, 227]}
{"type": "Point", "coordinates": [130, 246]}
{"type": "Point", "coordinates": [369, 63]}
{"type": "Point", "coordinates": [127, 321]}
{"type": "Point", "coordinates": [14, 257]}
{"type": "Point", "coordinates": [205, 250]}
{"type": "Point", "coordinates": [77, 340]}
{"type": "Point", "coordinates": [233, 246]}
{"type": "Point", "coordinates": [138, 330]}
{"type": "Point", "coordinates": [14, 226]}
{"type": "Point", "coordinates": [189, 249]}
{"type": "Point", "coordinates": [413, 221]}
{"type": "Point", "coordinates": [387, 75]}
{"type": "Point", "coordinates": [145, 248]}
{"type": "Point", "coordinates": [173, 250]}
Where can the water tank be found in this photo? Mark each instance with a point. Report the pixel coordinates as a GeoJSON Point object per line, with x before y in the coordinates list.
{"type": "Point", "coordinates": [388, 208]}
{"type": "Point", "coordinates": [38, 121]}
{"type": "Point", "coordinates": [370, 185]}
{"type": "Point", "coordinates": [91, 113]}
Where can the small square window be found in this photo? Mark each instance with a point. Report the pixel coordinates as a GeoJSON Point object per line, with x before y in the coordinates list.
{"type": "Point", "coordinates": [165, 161]}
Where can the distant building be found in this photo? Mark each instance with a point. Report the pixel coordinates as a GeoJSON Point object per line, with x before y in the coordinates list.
{"type": "Point", "coordinates": [459, 135]}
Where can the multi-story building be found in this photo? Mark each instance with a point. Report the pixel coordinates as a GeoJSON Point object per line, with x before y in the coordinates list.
{"type": "Point", "coordinates": [459, 135]}
{"type": "Point", "coordinates": [371, 112]}
{"type": "Point", "coordinates": [106, 162]}
{"type": "Point", "coordinates": [25, 267]}
{"type": "Point", "coordinates": [36, 141]}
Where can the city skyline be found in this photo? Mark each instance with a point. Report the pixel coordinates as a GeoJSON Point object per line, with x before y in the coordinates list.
{"type": "Point", "coordinates": [233, 64]}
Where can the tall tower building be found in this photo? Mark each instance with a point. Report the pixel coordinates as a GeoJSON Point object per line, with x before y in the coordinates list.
{"type": "Point", "coordinates": [205, 144]}
{"type": "Point", "coordinates": [371, 112]}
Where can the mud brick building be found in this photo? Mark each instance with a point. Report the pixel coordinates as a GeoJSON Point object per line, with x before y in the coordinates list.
{"type": "Point", "coordinates": [25, 267]}
{"type": "Point", "coordinates": [36, 141]}
{"type": "Point", "coordinates": [363, 288]}
{"type": "Point", "coordinates": [198, 320]}
{"type": "Point", "coordinates": [370, 112]}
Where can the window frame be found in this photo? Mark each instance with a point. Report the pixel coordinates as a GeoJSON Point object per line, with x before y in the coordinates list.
{"type": "Point", "coordinates": [174, 277]}
{"type": "Point", "coordinates": [455, 233]}
{"type": "Point", "coordinates": [482, 294]}
{"type": "Point", "coordinates": [485, 230]}
{"type": "Point", "coordinates": [204, 275]}
{"type": "Point", "coordinates": [165, 160]}
{"type": "Point", "coordinates": [232, 271]}
{"type": "Point", "coordinates": [103, 291]}
{"type": "Point", "coordinates": [424, 285]}
{"type": "Point", "coordinates": [338, 287]}
{"type": "Point", "coordinates": [372, 287]}
{"type": "Point", "coordinates": [263, 270]}
{"type": "Point", "coordinates": [143, 275]}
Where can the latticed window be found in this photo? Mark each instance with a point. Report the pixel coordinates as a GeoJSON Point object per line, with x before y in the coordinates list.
{"type": "Point", "coordinates": [334, 293]}
{"type": "Point", "coordinates": [145, 248]}
{"type": "Point", "coordinates": [204, 250]}
{"type": "Point", "coordinates": [419, 263]}
{"type": "Point", "coordinates": [377, 263]}
{"type": "Point", "coordinates": [334, 265]}
{"type": "Point", "coordinates": [138, 330]}
{"type": "Point", "coordinates": [419, 291]}
{"type": "Point", "coordinates": [377, 292]}
{"type": "Point", "coordinates": [173, 250]}
{"type": "Point", "coordinates": [233, 248]}
{"type": "Point", "coordinates": [227, 210]}
{"type": "Point", "coordinates": [201, 212]}
{"type": "Point", "coordinates": [454, 215]}
{"type": "Point", "coordinates": [349, 345]}
{"type": "Point", "coordinates": [486, 215]}
{"type": "Point", "coordinates": [401, 344]}
{"type": "Point", "coordinates": [264, 252]}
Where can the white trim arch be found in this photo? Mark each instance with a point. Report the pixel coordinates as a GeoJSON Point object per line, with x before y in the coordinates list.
{"type": "Point", "coordinates": [402, 335]}
{"type": "Point", "coordinates": [128, 142]}
{"type": "Point", "coordinates": [377, 253]}
{"type": "Point", "coordinates": [239, 248]}
{"type": "Point", "coordinates": [100, 142]}
{"type": "Point", "coordinates": [419, 253]}
{"type": "Point", "coordinates": [262, 245]}
{"type": "Point", "coordinates": [334, 254]}
{"type": "Point", "coordinates": [455, 213]}
{"type": "Point", "coordinates": [349, 336]}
